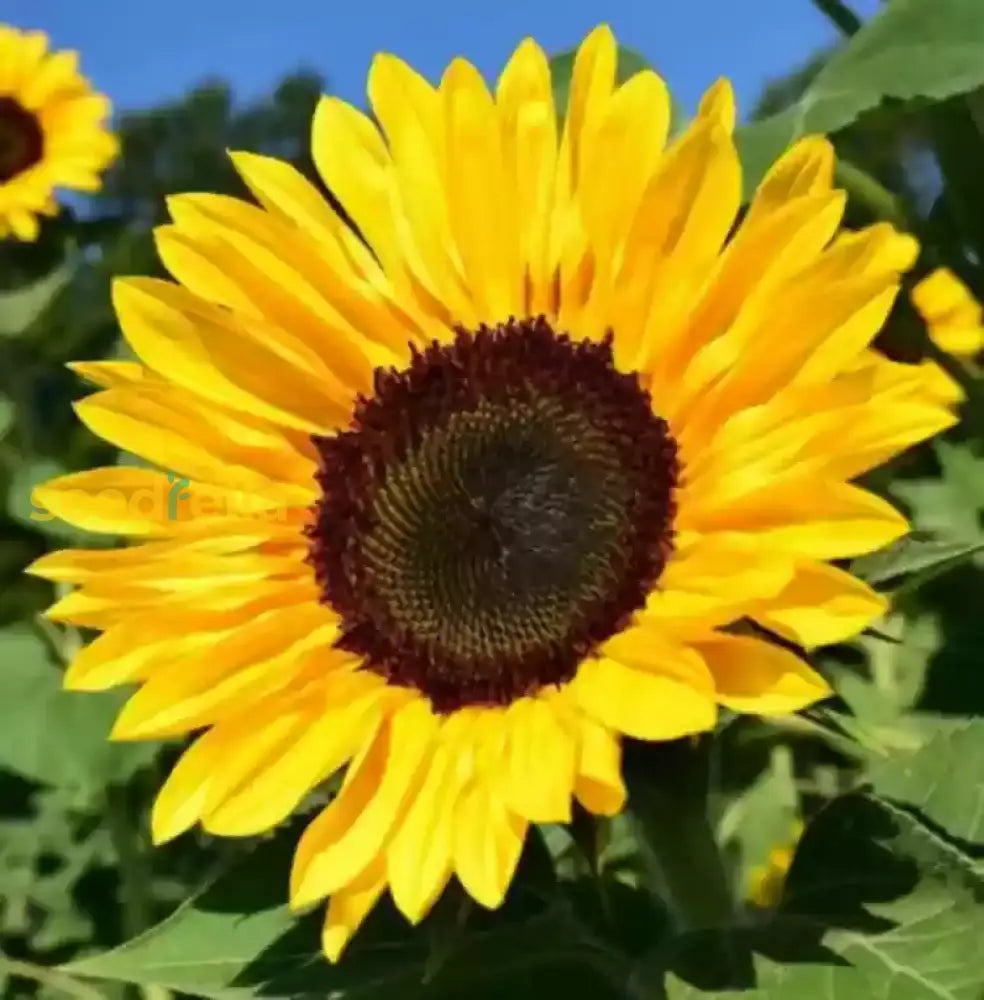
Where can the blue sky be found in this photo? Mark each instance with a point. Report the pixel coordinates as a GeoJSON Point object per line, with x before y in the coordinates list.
{"type": "Point", "coordinates": [141, 51]}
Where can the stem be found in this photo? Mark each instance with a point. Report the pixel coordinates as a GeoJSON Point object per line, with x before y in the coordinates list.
{"type": "Point", "coordinates": [841, 15]}
{"type": "Point", "coordinates": [668, 800]}
{"type": "Point", "coordinates": [50, 977]}
{"type": "Point", "coordinates": [133, 873]}
{"type": "Point", "coordinates": [134, 877]}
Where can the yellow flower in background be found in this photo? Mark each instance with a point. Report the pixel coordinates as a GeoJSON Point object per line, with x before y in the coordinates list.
{"type": "Point", "coordinates": [766, 882]}
{"type": "Point", "coordinates": [953, 316]}
{"type": "Point", "coordinates": [519, 463]}
{"type": "Point", "coordinates": [52, 131]}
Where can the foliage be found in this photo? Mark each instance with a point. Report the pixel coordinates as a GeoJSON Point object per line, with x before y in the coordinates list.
{"type": "Point", "coordinates": [885, 896]}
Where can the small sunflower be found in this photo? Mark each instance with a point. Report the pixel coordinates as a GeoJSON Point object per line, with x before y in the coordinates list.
{"type": "Point", "coordinates": [469, 499]}
{"type": "Point", "coordinates": [52, 132]}
{"type": "Point", "coordinates": [952, 315]}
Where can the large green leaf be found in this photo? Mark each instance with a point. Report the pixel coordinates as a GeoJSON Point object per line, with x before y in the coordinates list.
{"type": "Point", "coordinates": [910, 49]}
{"type": "Point", "coordinates": [877, 906]}
{"type": "Point", "coordinates": [238, 939]}
{"type": "Point", "coordinates": [53, 736]}
{"type": "Point", "coordinates": [944, 780]}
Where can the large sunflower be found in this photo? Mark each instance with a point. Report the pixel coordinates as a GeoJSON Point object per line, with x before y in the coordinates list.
{"type": "Point", "coordinates": [51, 130]}
{"type": "Point", "coordinates": [530, 469]}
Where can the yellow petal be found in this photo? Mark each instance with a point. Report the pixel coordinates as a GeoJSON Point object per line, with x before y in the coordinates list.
{"type": "Point", "coordinates": [181, 799]}
{"type": "Point", "coordinates": [822, 605]}
{"type": "Point", "coordinates": [805, 168]}
{"type": "Point", "coordinates": [108, 374]}
{"type": "Point", "coordinates": [761, 678]}
{"type": "Point", "coordinates": [349, 907]}
{"type": "Point", "coordinates": [592, 82]}
{"type": "Point", "coordinates": [599, 786]}
{"type": "Point", "coordinates": [419, 858]}
{"type": "Point", "coordinates": [260, 657]}
{"type": "Point", "coordinates": [524, 99]}
{"type": "Point", "coordinates": [642, 704]}
{"type": "Point", "coordinates": [223, 357]}
{"type": "Point", "coordinates": [117, 500]}
{"type": "Point", "coordinates": [714, 578]}
{"type": "Point", "coordinates": [483, 219]}
{"type": "Point", "coordinates": [626, 149]}
{"type": "Point", "coordinates": [278, 762]}
{"type": "Point", "coordinates": [941, 295]}
{"type": "Point", "coordinates": [410, 112]}
{"type": "Point", "coordinates": [806, 516]}
{"type": "Point", "coordinates": [488, 840]}
{"type": "Point", "coordinates": [340, 844]}
{"type": "Point", "coordinates": [539, 762]}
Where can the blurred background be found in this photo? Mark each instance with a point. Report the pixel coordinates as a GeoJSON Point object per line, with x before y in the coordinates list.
{"type": "Point", "coordinates": [191, 78]}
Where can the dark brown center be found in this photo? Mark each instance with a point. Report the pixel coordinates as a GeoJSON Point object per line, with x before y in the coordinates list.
{"type": "Point", "coordinates": [495, 511]}
{"type": "Point", "coordinates": [21, 139]}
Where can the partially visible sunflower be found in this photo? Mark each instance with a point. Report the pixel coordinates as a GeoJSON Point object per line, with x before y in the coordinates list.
{"type": "Point", "coordinates": [52, 131]}
{"type": "Point", "coordinates": [530, 469]}
{"type": "Point", "coordinates": [952, 315]}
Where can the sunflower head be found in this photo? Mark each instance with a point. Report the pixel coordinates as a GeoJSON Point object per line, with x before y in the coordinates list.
{"type": "Point", "coordinates": [523, 460]}
{"type": "Point", "coordinates": [52, 131]}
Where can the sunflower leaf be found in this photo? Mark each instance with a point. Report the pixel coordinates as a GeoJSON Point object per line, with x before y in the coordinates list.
{"type": "Point", "coordinates": [914, 559]}
{"type": "Point", "coordinates": [876, 905]}
{"type": "Point", "coordinates": [910, 49]}
{"type": "Point", "coordinates": [52, 736]}
{"type": "Point", "coordinates": [942, 780]}
{"type": "Point", "coordinates": [237, 939]}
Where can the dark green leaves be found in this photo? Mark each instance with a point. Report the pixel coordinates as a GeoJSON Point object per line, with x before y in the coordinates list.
{"type": "Point", "coordinates": [875, 900]}
{"type": "Point", "coordinates": [237, 938]}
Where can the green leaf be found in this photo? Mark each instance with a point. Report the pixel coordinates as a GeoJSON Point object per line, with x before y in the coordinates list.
{"type": "Point", "coordinates": [942, 779]}
{"type": "Point", "coordinates": [877, 906]}
{"type": "Point", "coordinates": [21, 307]}
{"type": "Point", "coordinates": [910, 49]}
{"type": "Point", "coordinates": [53, 736]}
{"type": "Point", "coordinates": [914, 557]}
{"type": "Point", "coordinates": [238, 939]}
{"type": "Point", "coordinates": [949, 505]}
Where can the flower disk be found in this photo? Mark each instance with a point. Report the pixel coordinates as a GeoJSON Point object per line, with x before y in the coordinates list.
{"type": "Point", "coordinates": [21, 139]}
{"type": "Point", "coordinates": [499, 508]}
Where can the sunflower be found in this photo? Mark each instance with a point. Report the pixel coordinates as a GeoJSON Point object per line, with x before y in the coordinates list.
{"type": "Point", "coordinates": [51, 130]}
{"type": "Point", "coordinates": [952, 315]}
{"type": "Point", "coordinates": [530, 464]}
